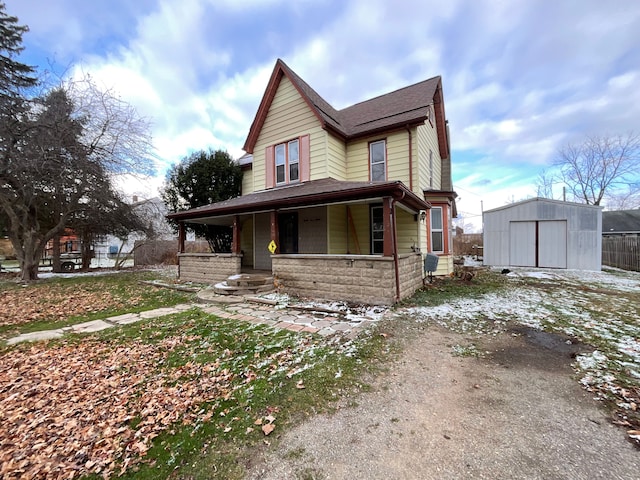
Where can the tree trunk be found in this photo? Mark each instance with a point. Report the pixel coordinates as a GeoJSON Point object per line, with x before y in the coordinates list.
{"type": "Point", "coordinates": [29, 253]}
{"type": "Point", "coordinates": [56, 264]}
{"type": "Point", "coordinates": [87, 252]}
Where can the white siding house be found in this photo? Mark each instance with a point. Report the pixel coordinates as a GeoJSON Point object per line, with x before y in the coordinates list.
{"type": "Point", "coordinates": [544, 233]}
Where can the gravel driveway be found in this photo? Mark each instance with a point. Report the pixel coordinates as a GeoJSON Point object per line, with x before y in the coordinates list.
{"type": "Point", "coordinates": [514, 413]}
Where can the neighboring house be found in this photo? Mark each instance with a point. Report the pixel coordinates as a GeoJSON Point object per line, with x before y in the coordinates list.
{"type": "Point", "coordinates": [152, 210]}
{"type": "Point", "coordinates": [349, 200]}
{"type": "Point", "coordinates": [621, 223]}
{"type": "Point", "coordinates": [543, 233]}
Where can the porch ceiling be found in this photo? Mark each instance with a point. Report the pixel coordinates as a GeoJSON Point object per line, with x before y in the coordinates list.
{"type": "Point", "coordinates": [314, 193]}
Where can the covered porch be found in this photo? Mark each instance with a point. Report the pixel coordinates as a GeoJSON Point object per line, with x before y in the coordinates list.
{"type": "Point", "coordinates": [354, 241]}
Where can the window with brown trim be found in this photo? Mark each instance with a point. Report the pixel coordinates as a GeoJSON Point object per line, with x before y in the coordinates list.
{"type": "Point", "coordinates": [378, 161]}
{"type": "Point", "coordinates": [437, 230]}
{"type": "Point", "coordinates": [287, 161]}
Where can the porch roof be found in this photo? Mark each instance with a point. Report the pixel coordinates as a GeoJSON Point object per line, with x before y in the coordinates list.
{"type": "Point", "coordinates": [316, 192]}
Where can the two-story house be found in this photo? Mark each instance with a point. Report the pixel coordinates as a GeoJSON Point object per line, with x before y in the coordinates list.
{"type": "Point", "coordinates": [338, 204]}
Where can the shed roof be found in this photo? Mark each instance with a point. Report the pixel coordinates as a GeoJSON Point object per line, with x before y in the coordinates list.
{"type": "Point", "coordinates": [543, 200]}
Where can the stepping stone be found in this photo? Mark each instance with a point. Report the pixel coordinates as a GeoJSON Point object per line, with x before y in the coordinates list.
{"type": "Point", "coordinates": [90, 327]}
{"type": "Point", "coordinates": [125, 319]}
{"type": "Point", "coordinates": [36, 336]}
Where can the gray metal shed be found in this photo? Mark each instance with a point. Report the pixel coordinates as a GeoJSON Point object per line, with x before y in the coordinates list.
{"type": "Point", "coordinates": [544, 233]}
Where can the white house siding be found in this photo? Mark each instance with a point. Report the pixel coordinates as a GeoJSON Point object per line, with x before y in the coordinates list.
{"type": "Point", "coordinates": [568, 235]}
{"type": "Point", "coordinates": [289, 117]}
{"type": "Point", "coordinates": [428, 141]}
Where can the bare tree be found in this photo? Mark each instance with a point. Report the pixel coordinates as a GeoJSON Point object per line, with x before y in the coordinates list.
{"type": "Point", "coordinates": [600, 166]}
{"type": "Point", "coordinates": [57, 162]}
{"type": "Point", "coordinates": [545, 185]}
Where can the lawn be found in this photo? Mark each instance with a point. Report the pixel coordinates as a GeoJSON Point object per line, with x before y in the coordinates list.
{"type": "Point", "coordinates": [60, 301]}
{"type": "Point", "coordinates": [188, 395]}
{"type": "Point", "coordinates": [601, 309]}
{"type": "Point", "coordinates": [194, 396]}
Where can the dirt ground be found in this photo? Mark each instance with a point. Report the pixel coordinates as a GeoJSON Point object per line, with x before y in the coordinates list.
{"type": "Point", "coordinates": [516, 412]}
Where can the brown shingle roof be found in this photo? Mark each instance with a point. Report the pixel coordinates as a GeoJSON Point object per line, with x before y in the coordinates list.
{"type": "Point", "coordinates": [408, 105]}
{"type": "Point", "coordinates": [315, 192]}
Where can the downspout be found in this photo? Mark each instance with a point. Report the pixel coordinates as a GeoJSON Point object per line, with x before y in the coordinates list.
{"type": "Point", "coordinates": [410, 159]}
{"type": "Point", "coordinates": [396, 260]}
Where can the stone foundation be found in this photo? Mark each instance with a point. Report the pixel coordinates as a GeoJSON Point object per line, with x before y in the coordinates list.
{"type": "Point", "coordinates": [208, 267]}
{"type": "Point", "coordinates": [366, 279]}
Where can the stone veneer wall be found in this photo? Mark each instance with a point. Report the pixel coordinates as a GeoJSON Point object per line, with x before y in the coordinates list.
{"type": "Point", "coordinates": [208, 267]}
{"type": "Point", "coordinates": [411, 274]}
{"type": "Point", "coordinates": [356, 278]}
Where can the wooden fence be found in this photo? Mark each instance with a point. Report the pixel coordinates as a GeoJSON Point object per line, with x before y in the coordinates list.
{"type": "Point", "coordinates": [467, 243]}
{"type": "Point", "coordinates": [621, 252]}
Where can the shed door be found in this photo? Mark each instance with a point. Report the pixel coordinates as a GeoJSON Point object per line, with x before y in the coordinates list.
{"type": "Point", "coordinates": [552, 251]}
{"type": "Point", "coordinates": [522, 244]}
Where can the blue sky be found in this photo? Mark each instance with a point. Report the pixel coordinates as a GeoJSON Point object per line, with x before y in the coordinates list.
{"type": "Point", "coordinates": [520, 77]}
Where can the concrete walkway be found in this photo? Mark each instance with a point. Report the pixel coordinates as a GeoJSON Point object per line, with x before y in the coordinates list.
{"type": "Point", "coordinates": [322, 321]}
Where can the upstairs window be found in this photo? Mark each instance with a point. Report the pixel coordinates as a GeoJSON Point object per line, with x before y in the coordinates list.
{"type": "Point", "coordinates": [378, 161]}
{"type": "Point", "coordinates": [287, 159]}
{"type": "Point", "coordinates": [288, 162]}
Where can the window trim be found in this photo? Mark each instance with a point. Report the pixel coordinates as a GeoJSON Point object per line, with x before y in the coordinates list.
{"type": "Point", "coordinates": [384, 161]}
{"type": "Point", "coordinates": [286, 146]}
{"type": "Point", "coordinates": [373, 241]}
{"type": "Point", "coordinates": [436, 230]}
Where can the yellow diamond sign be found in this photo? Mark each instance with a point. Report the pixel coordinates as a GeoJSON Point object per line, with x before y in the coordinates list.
{"type": "Point", "coordinates": [272, 247]}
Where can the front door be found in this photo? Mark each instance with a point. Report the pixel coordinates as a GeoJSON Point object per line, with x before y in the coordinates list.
{"type": "Point", "coordinates": [288, 231]}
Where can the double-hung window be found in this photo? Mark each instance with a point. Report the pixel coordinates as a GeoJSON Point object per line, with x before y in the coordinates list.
{"type": "Point", "coordinates": [378, 161]}
{"type": "Point", "coordinates": [437, 233]}
{"type": "Point", "coordinates": [377, 229]}
{"type": "Point", "coordinates": [287, 159]}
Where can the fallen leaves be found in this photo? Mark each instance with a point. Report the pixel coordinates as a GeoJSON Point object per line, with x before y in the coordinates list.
{"type": "Point", "coordinates": [69, 411]}
{"type": "Point", "coordinates": [34, 303]}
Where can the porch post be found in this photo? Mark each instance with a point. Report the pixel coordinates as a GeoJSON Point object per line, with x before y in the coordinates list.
{"type": "Point", "coordinates": [181, 237]}
{"type": "Point", "coordinates": [235, 245]}
{"type": "Point", "coordinates": [275, 237]}
{"type": "Point", "coordinates": [388, 225]}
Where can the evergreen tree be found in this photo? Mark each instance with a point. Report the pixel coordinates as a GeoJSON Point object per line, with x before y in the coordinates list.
{"type": "Point", "coordinates": [200, 179]}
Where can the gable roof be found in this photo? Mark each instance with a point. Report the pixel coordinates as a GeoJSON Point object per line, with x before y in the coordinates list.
{"type": "Point", "coordinates": [407, 106]}
{"type": "Point", "coordinates": [316, 192]}
{"type": "Point", "coordinates": [621, 221]}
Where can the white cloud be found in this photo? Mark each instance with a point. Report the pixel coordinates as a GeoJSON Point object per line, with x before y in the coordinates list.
{"type": "Point", "coordinates": [520, 78]}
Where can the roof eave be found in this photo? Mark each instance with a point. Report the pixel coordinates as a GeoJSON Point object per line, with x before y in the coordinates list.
{"type": "Point", "coordinates": [396, 190]}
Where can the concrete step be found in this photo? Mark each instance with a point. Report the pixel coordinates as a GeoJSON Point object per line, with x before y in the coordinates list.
{"type": "Point", "coordinates": [249, 280]}
{"type": "Point", "coordinates": [245, 284]}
